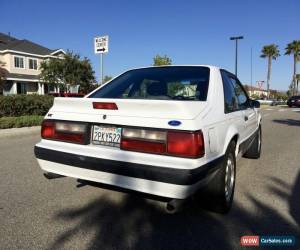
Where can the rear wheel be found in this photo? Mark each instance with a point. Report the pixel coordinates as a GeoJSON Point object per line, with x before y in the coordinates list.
{"type": "Point", "coordinates": [218, 195]}
{"type": "Point", "coordinates": [255, 149]}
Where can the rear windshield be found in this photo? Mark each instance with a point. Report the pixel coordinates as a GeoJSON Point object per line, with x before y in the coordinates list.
{"type": "Point", "coordinates": [159, 83]}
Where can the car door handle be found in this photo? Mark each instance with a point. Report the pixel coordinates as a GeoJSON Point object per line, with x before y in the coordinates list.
{"type": "Point", "coordinates": [246, 118]}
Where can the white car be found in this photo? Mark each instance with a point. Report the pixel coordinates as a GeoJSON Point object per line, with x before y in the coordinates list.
{"type": "Point", "coordinates": [166, 131]}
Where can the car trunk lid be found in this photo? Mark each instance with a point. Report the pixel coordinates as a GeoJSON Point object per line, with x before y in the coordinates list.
{"type": "Point", "coordinates": [161, 109]}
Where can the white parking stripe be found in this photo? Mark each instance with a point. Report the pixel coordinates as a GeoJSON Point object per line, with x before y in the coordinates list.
{"type": "Point", "coordinates": [268, 109]}
{"type": "Point", "coordinates": [282, 110]}
{"type": "Point", "coordinates": [296, 110]}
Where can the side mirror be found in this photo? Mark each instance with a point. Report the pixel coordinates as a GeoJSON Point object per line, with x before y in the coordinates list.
{"type": "Point", "coordinates": [254, 104]}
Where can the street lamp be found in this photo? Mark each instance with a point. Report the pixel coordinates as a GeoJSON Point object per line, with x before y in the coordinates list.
{"type": "Point", "coordinates": [236, 38]}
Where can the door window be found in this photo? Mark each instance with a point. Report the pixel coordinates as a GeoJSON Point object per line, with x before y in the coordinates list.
{"type": "Point", "coordinates": [240, 93]}
{"type": "Point", "coordinates": [230, 98]}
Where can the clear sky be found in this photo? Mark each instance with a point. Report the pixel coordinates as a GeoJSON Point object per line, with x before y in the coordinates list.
{"type": "Point", "coordinates": [190, 32]}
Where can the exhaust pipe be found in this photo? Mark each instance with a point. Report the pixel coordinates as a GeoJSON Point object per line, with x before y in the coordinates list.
{"type": "Point", "coordinates": [51, 176]}
{"type": "Point", "coordinates": [174, 206]}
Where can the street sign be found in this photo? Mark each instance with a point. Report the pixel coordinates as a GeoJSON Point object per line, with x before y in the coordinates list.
{"type": "Point", "coordinates": [101, 44]}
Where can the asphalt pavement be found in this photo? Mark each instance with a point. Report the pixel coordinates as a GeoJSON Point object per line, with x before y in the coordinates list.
{"type": "Point", "coordinates": [36, 213]}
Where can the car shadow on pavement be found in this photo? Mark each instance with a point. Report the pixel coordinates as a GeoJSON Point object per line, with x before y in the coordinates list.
{"type": "Point", "coordinates": [290, 122]}
{"type": "Point", "coordinates": [295, 201]}
{"type": "Point", "coordinates": [282, 190]}
{"type": "Point", "coordinates": [136, 223]}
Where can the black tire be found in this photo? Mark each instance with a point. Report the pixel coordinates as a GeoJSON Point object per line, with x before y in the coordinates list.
{"type": "Point", "coordinates": [215, 197]}
{"type": "Point", "coordinates": [255, 149]}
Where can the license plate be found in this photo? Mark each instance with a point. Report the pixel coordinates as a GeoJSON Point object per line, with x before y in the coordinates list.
{"type": "Point", "coordinates": [104, 135]}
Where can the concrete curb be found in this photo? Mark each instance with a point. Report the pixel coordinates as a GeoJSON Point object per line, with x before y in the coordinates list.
{"type": "Point", "coordinates": [19, 131]}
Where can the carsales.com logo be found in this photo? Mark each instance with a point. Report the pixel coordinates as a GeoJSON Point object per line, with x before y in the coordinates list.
{"type": "Point", "coordinates": [269, 240]}
{"type": "Point", "coordinates": [250, 241]}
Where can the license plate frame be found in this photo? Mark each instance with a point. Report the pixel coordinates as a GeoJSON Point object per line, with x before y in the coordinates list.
{"type": "Point", "coordinates": [106, 135]}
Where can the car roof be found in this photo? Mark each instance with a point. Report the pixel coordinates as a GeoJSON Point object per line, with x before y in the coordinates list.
{"type": "Point", "coordinates": [179, 65]}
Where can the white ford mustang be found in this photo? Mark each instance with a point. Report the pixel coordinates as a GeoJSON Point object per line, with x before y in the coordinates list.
{"type": "Point", "coordinates": [166, 131]}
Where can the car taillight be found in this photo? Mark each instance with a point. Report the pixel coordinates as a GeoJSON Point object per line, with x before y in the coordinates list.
{"type": "Point", "coordinates": [64, 131]}
{"type": "Point", "coordinates": [175, 143]}
{"type": "Point", "coordinates": [186, 144]}
{"type": "Point", "coordinates": [142, 140]}
{"type": "Point", "coordinates": [105, 105]}
{"type": "Point", "coordinates": [47, 129]}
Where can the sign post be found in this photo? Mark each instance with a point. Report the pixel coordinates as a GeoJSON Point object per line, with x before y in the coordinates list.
{"type": "Point", "coordinates": [101, 47]}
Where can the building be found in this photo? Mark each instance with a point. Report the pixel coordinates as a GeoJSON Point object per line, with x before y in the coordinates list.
{"type": "Point", "coordinates": [255, 91]}
{"type": "Point", "coordinates": [21, 60]}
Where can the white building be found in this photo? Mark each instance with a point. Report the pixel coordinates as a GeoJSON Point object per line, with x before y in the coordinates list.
{"type": "Point", "coordinates": [21, 60]}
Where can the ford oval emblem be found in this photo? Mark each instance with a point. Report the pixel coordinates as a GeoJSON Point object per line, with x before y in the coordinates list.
{"type": "Point", "coordinates": [174, 123]}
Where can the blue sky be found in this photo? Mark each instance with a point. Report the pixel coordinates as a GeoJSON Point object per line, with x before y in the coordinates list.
{"type": "Point", "coordinates": [190, 32]}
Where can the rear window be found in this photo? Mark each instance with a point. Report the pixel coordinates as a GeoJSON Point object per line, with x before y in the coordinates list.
{"type": "Point", "coordinates": [159, 83]}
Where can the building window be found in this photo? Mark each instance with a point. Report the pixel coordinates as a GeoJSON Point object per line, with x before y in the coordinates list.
{"type": "Point", "coordinates": [19, 62]}
{"type": "Point", "coordinates": [32, 63]}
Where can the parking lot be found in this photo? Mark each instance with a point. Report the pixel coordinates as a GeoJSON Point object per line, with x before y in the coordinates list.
{"type": "Point", "coordinates": [37, 213]}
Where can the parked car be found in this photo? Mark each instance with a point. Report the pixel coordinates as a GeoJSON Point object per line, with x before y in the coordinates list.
{"type": "Point", "coordinates": [265, 101]}
{"type": "Point", "coordinates": [142, 132]}
{"type": "Point", "coordinates": [294, 101]}
{"type": "Point", "coordinates": [276, 102]}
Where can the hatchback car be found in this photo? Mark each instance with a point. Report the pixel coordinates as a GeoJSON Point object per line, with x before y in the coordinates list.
{"type": "Point", "coordinates": [165, 131]}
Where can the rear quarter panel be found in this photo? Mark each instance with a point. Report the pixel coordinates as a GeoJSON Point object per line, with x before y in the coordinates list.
{"type": "Point", "coordinates": [218, 128]}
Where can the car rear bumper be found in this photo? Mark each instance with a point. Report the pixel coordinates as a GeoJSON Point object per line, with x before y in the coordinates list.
{"type": "Point", "coordinates": [155, 180]}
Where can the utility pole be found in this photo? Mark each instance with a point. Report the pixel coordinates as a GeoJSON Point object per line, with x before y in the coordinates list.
{"type": "Point", "coordinates": [236, 38]}
{"type": "Point", "coordinates": [251, 79]}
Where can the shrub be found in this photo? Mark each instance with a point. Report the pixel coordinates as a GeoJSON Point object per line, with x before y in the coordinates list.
{"type": "Point", "coordinates": [20, 105]}
{"type": "Point", "coordinates": [21, 121]}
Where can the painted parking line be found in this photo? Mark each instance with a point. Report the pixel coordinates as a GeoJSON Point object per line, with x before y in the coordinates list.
{"type": "Point", "coordinates": [282, 110]}
{"type": "Point", "coordinates": [269, 109]}
{"type": "Point", "coordinates": [296, 110]}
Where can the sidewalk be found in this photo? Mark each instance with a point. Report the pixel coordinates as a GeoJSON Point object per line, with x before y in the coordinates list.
{"type": "Point", "coordinates": [19, 131]}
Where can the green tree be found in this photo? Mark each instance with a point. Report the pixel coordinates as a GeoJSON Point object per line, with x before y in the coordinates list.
{"type": "Point", "coordinates": [297, 81]}
{"type": "Point", "coordinates": [68, 71]}
{"type": "Point", "coordinates": [52, 72]}
{"type": "Point", "coordinates": [106, 79]}
{"type": "Point", "coordinates": [271, 52]}
{"type": "Point", "coordinates": [86, 76]}
{"type": "Point", "coordinates": [161, 60]}
{"type": "Point", "coordinates": [293, 48]}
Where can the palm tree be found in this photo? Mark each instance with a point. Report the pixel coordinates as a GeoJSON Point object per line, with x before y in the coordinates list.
{"type": "Point", "coordinates": [297, 79]}
{"type": "Point", "coordinates": [271, 52]}
{"type": "Point", "coordinates": [293, 48]}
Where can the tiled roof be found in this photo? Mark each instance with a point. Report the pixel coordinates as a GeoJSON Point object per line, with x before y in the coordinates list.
{"type": "Point", "coordinates": [12, 43]}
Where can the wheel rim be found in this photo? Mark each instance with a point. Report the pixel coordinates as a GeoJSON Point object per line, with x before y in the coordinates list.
{"type": "Point", "coordinates": [229, 178]}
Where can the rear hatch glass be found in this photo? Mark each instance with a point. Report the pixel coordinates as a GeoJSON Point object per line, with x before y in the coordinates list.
{"type": "Point", "coordinates": [186, 83]}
